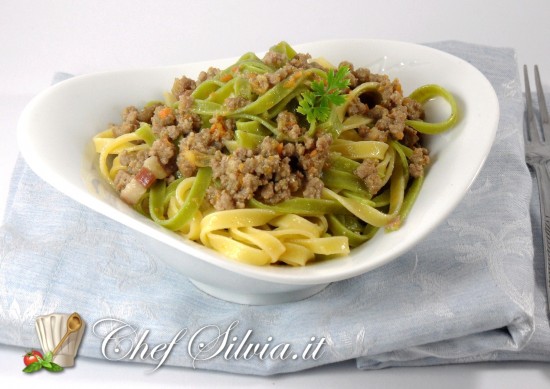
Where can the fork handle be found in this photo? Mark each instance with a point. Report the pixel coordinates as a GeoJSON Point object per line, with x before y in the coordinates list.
{"type": "Point", "coordinates": [543, 179]}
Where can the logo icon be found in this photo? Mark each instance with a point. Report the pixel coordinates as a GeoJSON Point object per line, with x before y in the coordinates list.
{"type": "Point", "coordinates": [60, 336]}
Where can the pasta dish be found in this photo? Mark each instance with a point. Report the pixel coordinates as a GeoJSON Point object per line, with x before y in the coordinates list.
{"type": "Point", "coordinates": [277, 160]}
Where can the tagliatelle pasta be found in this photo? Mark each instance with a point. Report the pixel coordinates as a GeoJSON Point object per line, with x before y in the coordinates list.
{"type": "Point", "coordinates": [279, 160]}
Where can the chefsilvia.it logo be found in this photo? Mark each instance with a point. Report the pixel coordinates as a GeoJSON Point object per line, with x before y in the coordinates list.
{"type": "Point", "coordinates": [122, 341]}
{"type": "Point", "coordinates": [59, 335]}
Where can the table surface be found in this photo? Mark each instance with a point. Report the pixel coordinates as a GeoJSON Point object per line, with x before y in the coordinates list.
{"type": "Point", "coordinates": [78, 37]}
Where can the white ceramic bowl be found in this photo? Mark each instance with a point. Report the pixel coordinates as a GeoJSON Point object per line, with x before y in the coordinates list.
{"type": "Point", "coordinates": [56, 128]}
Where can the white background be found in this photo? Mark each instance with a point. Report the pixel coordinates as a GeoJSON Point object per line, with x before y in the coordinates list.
{"type": "Point", "coordinates": [38, 38]}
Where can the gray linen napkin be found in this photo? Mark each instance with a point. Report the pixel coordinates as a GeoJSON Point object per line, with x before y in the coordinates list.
{"type": "Point", "coordinates": [463, 294]}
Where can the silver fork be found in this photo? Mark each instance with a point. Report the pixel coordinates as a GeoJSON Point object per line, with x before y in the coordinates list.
{"type": "Point", "coordinates": [537, 155]}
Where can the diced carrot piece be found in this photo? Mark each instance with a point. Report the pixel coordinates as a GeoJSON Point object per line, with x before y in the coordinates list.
{"type": "Point", "coordinates": [226, 77]}
{"type": "Point", "coordinates": [163, 113]}
{"type": "Point", "coordinates": [292, 79]}
{"type": "Point", "coordinates": [219, 128]}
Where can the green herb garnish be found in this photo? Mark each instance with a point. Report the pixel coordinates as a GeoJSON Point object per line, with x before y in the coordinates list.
{"type": "Point", "coordinates": [316, 103]}
{"type": "Point", "coordinates": [45, 363]}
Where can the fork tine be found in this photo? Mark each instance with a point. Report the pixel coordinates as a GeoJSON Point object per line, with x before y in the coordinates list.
{"type": "Point", "coordinates": [531, 125]}
{"type": "Point", "coordinates": [542, 106]}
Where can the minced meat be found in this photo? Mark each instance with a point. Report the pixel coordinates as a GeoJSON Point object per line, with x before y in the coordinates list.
{"type": "Point", "coordinates": [235, 102]}
{"type": "Point", "coordinates": [259, 84]}
{"type": "Point", "coordinates": [206, 141]}
{"type": "Point", "coordinates": [418, 161]}
{"type": "Point", "coordinates": [183, 86]}
{"type": "Point", "coordinates": [410, 137]}
{"type": "Point", "coordinates": [368, 172]}
{"type": "Point", "coordinates": [162, 117]}
{"type": "Point", "coordinates": [163, 149]}
{"type": "Point", "coordinates": [301, 61]}
{"type": "Point", "coordinates": [146, 114]}
{"type": "Point", "coordinates": [130, 122]}
{"type": "Point", "coordinates": [313, 158]}
{"type": "Point", "coordinates": [393, 121]}
{"type": "Point", "coordinates": [241, 175]}
{"type": "Point", "coordinates": [244, 172]}
{"type": "Point", "coordinates": [188, 122]}
{"type": "Point", "coordinates": [314, 187]}
{"type": "Point", "coordinates": [372, 134]}
{"type": "Point", "coordinates": [287, 124]}
{"type": "Point", "coordinates": [274, 59]}
{"type": "Point", "coordinates": [133, 160]}
{"type": "Point", "coordinates": [271, 173]}
{"type": "Point", "coordinates": [185, 102]}
{"type": "Point", "coordinates": [208, 75]}
{"type": "Point", "coordinates": [357, 107]}
{"type": "Point", "coordinates": [122, 179]}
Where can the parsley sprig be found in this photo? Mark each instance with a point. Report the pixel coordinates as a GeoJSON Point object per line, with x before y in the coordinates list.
{"type": "Point", "coordinates": [316, 103]}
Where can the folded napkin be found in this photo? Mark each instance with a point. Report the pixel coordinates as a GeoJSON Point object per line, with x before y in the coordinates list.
{"type": "Point", "coordinates": [466, 293]}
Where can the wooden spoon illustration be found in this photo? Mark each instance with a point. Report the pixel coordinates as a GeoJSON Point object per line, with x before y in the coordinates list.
{"type": "Point", "coordinates": [74, 322]}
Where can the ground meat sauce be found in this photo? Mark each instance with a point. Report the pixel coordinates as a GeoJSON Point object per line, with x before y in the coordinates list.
{"type": "Point", "coordinates": [368, 171]}
{"type": "Point", "coordinates": [277, 169]}
{"type": "Point", "coordinates": [389, 115]}
{"type": "Point", "coordinates": [273, 172]}
{"type": "Point", "coordinates": [130, 122]}
{"type": "Point", "coordinates": [244, 174]}
{"type": "Point", "coordinates": [133, 160]}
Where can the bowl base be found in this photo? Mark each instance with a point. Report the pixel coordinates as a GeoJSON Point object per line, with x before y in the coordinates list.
{"type": "Point", "coordinates": [259, 298]}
